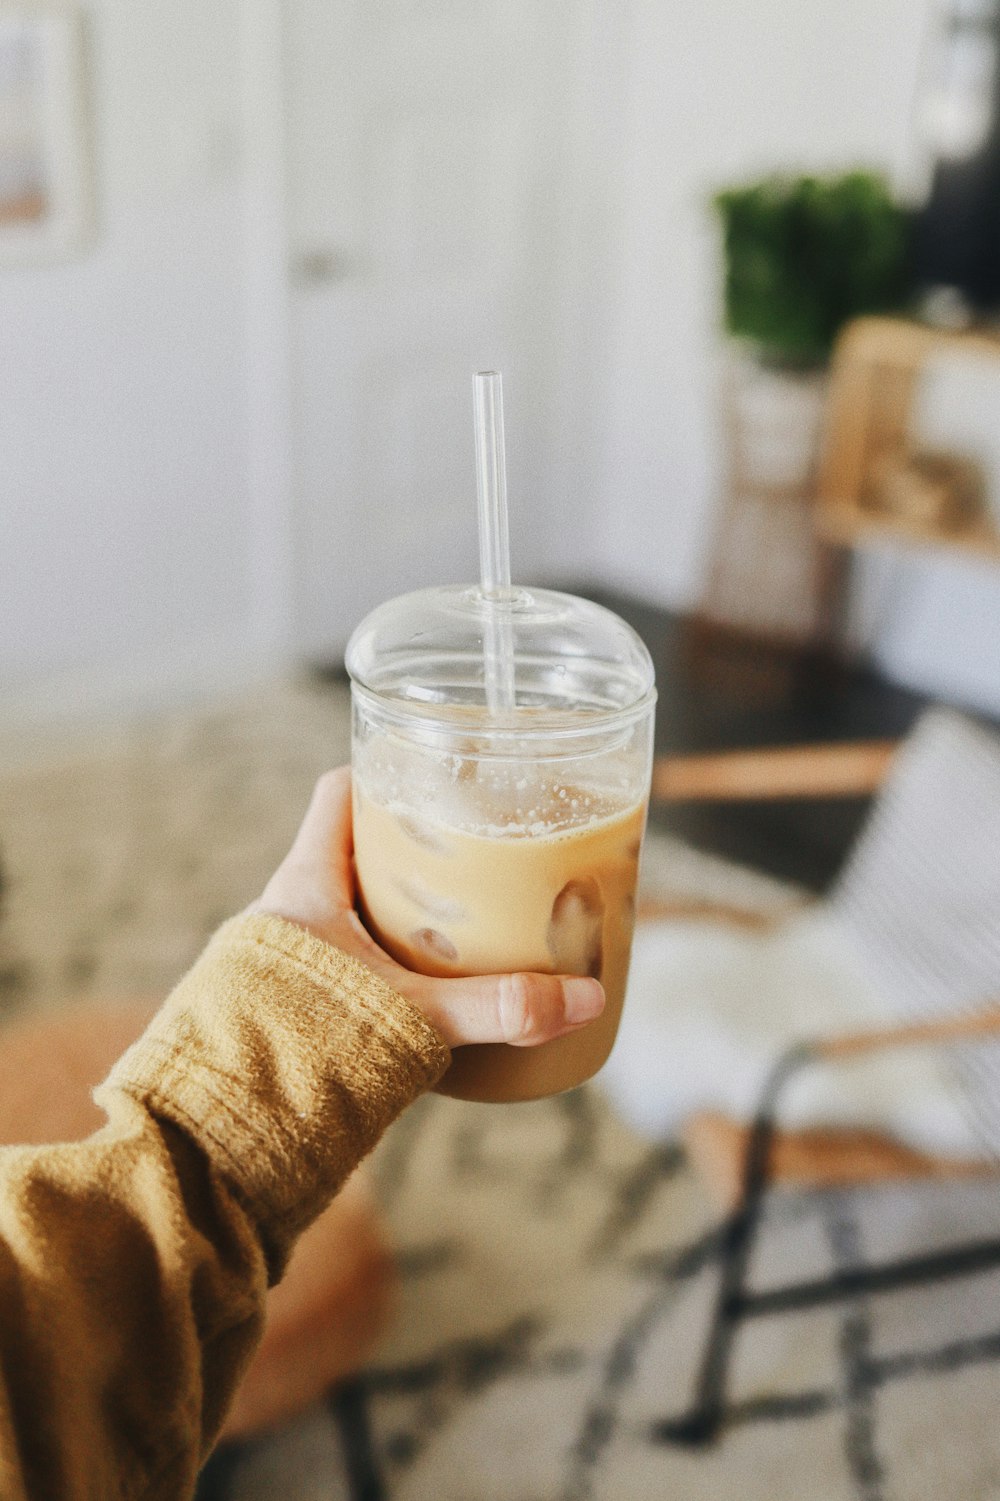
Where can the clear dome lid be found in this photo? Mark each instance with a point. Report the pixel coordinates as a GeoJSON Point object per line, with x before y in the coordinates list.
{"type": "Point", "coordinates": [426, 650]}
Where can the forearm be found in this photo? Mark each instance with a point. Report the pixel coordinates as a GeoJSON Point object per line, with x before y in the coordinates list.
{"type": "Point", "coordinates": [133, 1266]}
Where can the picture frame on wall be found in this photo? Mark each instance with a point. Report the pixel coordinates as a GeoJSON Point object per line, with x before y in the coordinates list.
{"type": "Point", "coordinates": [46, 197]}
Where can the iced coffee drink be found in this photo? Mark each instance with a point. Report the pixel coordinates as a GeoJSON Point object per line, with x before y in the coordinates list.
{"type": "Point", "coordinates": [536, 893]}
{"type": "Point", "coordinates": [489, 843]}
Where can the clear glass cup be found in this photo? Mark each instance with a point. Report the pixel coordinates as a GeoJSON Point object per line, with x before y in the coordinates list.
{"type": "Point", "coordinates": [489, 842]}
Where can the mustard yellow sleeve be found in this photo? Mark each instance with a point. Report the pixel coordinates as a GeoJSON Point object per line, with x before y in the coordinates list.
{"type": "Point", "coordinates": [133, 1265]}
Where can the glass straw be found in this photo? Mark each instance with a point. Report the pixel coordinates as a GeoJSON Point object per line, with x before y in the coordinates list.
{"type": "Point", "coordinates": [494, 540]}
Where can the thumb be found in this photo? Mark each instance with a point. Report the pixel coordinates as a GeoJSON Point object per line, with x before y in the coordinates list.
{"type": "Point", "coordinates": [520, 1009]}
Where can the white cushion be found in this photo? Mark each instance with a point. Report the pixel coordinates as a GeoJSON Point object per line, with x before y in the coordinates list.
{"type": "Point", "coordinates": [709, 1010]}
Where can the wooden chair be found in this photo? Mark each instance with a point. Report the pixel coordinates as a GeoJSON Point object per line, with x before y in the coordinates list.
{"type": "Point", "coordinates": [740, 1161]}
{"type": "Point", "coordinates": [719, 1144]}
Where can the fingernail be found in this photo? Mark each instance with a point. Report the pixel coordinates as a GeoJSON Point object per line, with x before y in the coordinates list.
{"type": "Point", "coordinates": [583, 1000]}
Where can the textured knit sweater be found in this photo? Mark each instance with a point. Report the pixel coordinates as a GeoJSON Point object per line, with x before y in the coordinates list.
{"type": "Point", "coordinates": [134, 1265]}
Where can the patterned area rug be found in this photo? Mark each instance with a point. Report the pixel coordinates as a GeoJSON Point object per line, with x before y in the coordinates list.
{"type": "Point", "coordinates": [560, 1334]}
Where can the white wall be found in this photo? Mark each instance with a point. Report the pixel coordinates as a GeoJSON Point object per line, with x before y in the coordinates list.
{"type": "Point", "coordinates": [145, 502]}
{"type": "Point", "coordinates": [932, 623]}
{"type": "Point", "coordinates": [126, 538]}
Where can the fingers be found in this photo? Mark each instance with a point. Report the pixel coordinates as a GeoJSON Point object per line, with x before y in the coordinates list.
{"type": "Point", "coordinates": [314, 887]}
{"type": "Point", "coordinates": [314, 884]}
{"type": "Point", "coordinates": [522, 1010]}
{"type": "Point", "coordinates": [325, 832]}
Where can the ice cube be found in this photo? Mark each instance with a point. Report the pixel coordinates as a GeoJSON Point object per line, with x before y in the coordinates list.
{"type": "Point", "coordinates": [444, 908]}
{"type": "Point", "coordinates": [576, 928]}
{"type": "Point", "coordinates": [434, 945]}
{"type": "Point", "coordinates": [428, 838]}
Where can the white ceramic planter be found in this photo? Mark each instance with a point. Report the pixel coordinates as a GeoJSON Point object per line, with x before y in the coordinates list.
{"type": "Point", "coordinates": [776, 417]}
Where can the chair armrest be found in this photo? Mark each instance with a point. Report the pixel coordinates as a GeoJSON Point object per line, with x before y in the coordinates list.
{"type": "Point", "coordinates": [967, 1026]}
{"type": "Point", "coordinates": [727, 914]}
{"type": "Point", "coordinates": [818, 1158]}
{"type": "Point", "coordinates": [849, 769]}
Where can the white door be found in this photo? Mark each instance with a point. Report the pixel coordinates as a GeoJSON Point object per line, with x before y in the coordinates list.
{"type": "Point", "coordinates": [432, 212]}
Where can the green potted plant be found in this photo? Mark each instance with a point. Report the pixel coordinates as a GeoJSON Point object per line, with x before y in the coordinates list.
{"type": "Point", "coordinates": [803, 255]}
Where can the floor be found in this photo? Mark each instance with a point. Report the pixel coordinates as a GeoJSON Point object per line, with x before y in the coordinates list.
{"type": "Point", "coordinates": [559, 1271]}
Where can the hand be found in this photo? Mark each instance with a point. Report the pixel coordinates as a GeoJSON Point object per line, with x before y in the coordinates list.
{"type": "Point", "coordinates": [314, 887]}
